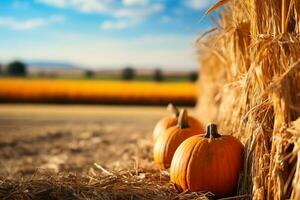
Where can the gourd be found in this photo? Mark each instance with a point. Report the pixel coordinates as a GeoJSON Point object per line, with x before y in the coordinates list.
{"type": "Point", "coordinates": [208, 163]}
{"type": "Point", "coordinates": [169, 121]}
{"type": "Point", "coordinates": [167, 143]}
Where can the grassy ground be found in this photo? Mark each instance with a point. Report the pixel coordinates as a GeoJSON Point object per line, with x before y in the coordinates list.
{"type": "Point", "coordinates": [81, 152]}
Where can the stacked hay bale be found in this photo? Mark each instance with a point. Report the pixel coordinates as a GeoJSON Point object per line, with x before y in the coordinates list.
{"type": "Point", "coordinates": [250, 86]}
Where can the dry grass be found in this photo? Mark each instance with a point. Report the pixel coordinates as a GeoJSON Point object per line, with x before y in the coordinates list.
{"type": "Point", "coordinates": [250, 86]}
{"type": "Point", "coordinates": [87, 91]}
{"type": "Point", "coordinates": [126, 184]}
{"type": "Point", "coordinates": [81, 152]}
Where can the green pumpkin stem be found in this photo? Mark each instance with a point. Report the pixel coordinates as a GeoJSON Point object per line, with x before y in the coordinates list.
{"type": "Point", "coordinates": [212, 131]}
{"type": "Point", "coordinates": [173, 109]}
{"type": "Point", "coordinates": [183, 119]}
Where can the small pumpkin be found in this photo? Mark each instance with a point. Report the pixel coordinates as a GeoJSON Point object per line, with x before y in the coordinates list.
{"type": "Point", "coordinates": [169, 121]}
{"type": "Point", "coordinates": [208, 163]}
{"type": "Point", "coordinates": [167, 143]}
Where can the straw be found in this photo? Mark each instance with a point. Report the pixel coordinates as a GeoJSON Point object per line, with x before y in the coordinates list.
{"type": "Point", "coordinates": [250, 86]}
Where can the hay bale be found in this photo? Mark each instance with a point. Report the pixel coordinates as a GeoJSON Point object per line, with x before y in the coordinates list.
{"type": "Point", "coordinates": [250, 86]}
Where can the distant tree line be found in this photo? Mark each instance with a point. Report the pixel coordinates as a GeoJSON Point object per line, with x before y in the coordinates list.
{"type": "Point", "coordinates": [89, 73]}
{"type": "Point", "coordinates": [128, 73]}
{"type": "Point", "coordinates": [158, 75]}
{"type": "Point", "coordinates": [15, 68]}
{"type": "Point", "coordinates": [193, 76]}
{"type": "Point", "coordinates": [18, 68]}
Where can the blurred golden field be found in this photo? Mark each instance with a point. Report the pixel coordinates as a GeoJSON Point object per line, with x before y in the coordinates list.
{"type": "Point", "coordinates": [95, 91]}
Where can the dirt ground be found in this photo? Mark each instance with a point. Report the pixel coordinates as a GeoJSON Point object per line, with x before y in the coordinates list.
{"type": "Point", "coordinates": [109, 146]}
{"type": "Point", "coordinates": [73, 138]}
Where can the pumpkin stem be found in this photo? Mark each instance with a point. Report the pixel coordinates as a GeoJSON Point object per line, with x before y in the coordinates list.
{"type": "Point", "coordinates": [183, 119]}
{"type": "Point", "coordinates": [212, 131]}
{"type": "Point", "coordinates": [173, 109]}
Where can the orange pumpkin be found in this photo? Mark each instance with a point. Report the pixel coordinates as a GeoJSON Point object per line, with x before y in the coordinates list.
{"type": "Point", "coordinates": [172, 120]}
{"type": "Point", "coordinates": [208, 163]}
{"type": "Point", "coordinates": [167, 143]}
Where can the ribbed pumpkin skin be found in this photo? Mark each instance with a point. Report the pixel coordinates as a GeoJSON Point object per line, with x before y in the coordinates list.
{"type": "Point", "coordinates": [208, 164]}
{"type": "Point", "coordinates": [170, 121]}
{"type": "Point", "coordinates": [163, 124]}
{"type": "Point", "coordinates": [167, 143]}
{"type": "Point", "coordinates": [196, 125]}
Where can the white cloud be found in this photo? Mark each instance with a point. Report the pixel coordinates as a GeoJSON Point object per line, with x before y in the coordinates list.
{"type": "Point", "coordinates": [82, 5]}
{"type": "Point", "coordinates": [57, 3]}
{"type": "Point", "coordinates": [143, 12]}
{"type": "Point", "coordinates": [114, 25]}
{"type": "Point", "coordinates": [108, 7]}
{"type": "Point", "coordinates": [119, 24]}
{"type": "Point", "coordinates": [198, 4]}
{"type": "Point", "coordinates": [29, 23]}
{"type": "Point", "coordinates": [135, 2]}
{"type": "Point", "coordinates": [129, 10]}
{"type": "Point", "coordinates": [21, 25]}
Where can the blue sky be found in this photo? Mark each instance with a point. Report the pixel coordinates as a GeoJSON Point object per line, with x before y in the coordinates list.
{"type": "Point", "coordinates": [103, 33]}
